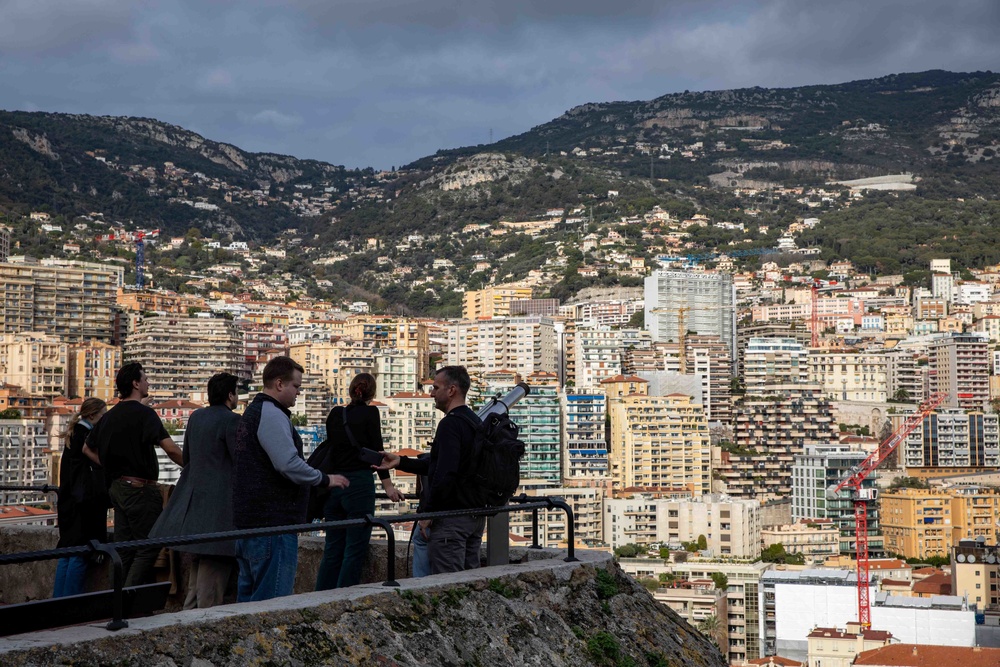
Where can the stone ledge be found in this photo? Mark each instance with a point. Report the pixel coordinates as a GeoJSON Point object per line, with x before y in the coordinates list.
{"type": "Point", "coordinates": [544, 612]}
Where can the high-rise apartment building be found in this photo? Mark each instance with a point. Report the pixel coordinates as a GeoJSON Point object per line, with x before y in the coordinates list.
{"type": "Point", "coordinates": [597, 354]}
{"type": "Point", "coordinates": [706, 357]}
{"type": "Point", "coordinates": [657, 442]}
{"type": "Point", "coordinates": [959, 366]}
{"type": "Point", "coordinates": [845, 375]}
{"type": "Point", "coordinates": [769, 431]}
{"type": "Point", "coordinates": [585, 455]}
{"type": "Point", "coordinates": [493, 301]}
{"type": "Point", "coordinates": [396, 371]}
{"type": "Point", "coordinates": [744, 614]}
{"type": "Point", "coordinates": [774, 361]}
{"type": "Point", "coordinates": [92, 370]}
{"type": "Point", "coordinates": [952, 438]}
{"type": "Point", "coordinates": [523, 345]}
{"type": "Point", "coordinates": [920, 523]}
{"type": "Point", "coordinates": [746, 331]}
{"type": "Point", "coordinates": [703, 303]}
{"type": "Point", "coordinates": [72, 300]}
{"type": "Point", "coordinates": [23, 459]}
{"type": "Point", "coordinates": [35, 362]}
{"type": "Point", "coordinates": [813, 473]}
{"type": "Point", "coordinates": [732, 527]}
{"type": "Point", "coordinates": [4, 243]}
{"type": "Point", "coordinates": [907, 373]}
{"type": "Point", "coordinates": [409, 421]}
{"type": "Point", "coordinates": [181, 354]}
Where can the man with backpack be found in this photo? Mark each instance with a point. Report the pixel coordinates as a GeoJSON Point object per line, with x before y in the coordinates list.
{"type": "Point", "coordinates": [453, 543]}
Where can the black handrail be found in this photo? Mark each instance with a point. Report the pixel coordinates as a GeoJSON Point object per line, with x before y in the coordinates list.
{"type": "Point", "coordinates": [520, 503]}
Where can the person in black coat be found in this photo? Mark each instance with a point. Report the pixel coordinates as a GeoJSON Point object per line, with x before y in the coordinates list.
{"type": "Point", "coordinates": [345, 549]}
{"type": "Point", "coordinates": [83, 504]}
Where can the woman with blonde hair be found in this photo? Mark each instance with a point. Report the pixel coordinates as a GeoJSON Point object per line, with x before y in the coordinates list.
{"type": "Point", "coordinates": [349, 430]}
{"type": "Point", "coordinates": [83, 499]}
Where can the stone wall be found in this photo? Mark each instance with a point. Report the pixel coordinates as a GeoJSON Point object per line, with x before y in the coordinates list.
{"type": "Point", "coordinates": [543, 611]}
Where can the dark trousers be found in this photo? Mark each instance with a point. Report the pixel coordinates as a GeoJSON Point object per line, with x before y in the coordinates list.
{"type": "Point", "coordinates": [345, 551]}
{"type": "Point", "coordinates": [454, 544]}
{"type": "Point", "coordinates": [136, 510]}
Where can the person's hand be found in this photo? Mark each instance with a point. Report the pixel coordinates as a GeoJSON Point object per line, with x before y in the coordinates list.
{"type": "Point", "coordinates": [425, 527]}
{"type": "Point", "coordinates": [389, 461]}
{"type": "Point", "coordinates": [395, 495]}
{"type": "Point", "coordinates": [339, 481]}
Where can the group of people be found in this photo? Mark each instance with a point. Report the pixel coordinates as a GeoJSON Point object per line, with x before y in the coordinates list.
{"type": "Point", "coordinates": [242, 472]}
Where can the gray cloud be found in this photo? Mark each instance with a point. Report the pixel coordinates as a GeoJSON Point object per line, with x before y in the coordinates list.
{"type": "Point", "coordinates": [363, 83]}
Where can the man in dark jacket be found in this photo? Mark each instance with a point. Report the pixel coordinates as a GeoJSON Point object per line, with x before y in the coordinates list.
{"type": "Point", "coordinates": [271, 484]}
{"type": "Point", "coordinates": [453, 544]}
{"type": "Point", "coordinates": [202, 502]}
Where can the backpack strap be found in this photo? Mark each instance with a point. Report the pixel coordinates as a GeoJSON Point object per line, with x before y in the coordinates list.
{"type": "Point", "coordinates": [350, 435]}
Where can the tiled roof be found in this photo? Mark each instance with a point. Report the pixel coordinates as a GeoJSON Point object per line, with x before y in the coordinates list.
{"type": "Point", "coordinates": [912, 655]}
{"type": "Point", "coordinates": [775, 661]}
{"type": "Point", "coordinates": [622, 378]}
{"type": "Point", "coordinates": [936, 584]}
{"type": "Point", "coordinates": [836, 633]}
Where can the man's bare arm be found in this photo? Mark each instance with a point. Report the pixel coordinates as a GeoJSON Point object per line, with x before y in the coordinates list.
{"type": "Point", "coordinates": [173, 451]}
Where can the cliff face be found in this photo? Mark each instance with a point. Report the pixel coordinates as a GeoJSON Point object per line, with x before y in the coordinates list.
{"type": "Point", "coordinates": [540, 613]}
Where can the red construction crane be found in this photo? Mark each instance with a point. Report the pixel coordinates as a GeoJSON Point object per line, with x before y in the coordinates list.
{"type": "Point", "coordinates": [861, 497]}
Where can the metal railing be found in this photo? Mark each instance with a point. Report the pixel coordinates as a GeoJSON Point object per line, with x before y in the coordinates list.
{"type": "Point", "coordinates": [520, 503]}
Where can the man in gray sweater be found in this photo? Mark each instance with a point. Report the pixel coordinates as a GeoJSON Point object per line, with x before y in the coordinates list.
{"type": "Point", "coordinates": [271, 484]}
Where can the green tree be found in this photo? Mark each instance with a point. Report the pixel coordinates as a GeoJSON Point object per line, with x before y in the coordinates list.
{"type": "Point", "coordinates": [702, 543]}
{"type": "Point", "coordinates": [721, 580]}
{"type": "Point", "coordinates": [709, 626]}
{"type": "Point", "coordinates": [300, 420]}
{"type": "Point", "coordinates": [629, 550]}
{"type": "Point", "coordinates": [10, 413]}
{"type": "Point", "coordinates": [908, 483]}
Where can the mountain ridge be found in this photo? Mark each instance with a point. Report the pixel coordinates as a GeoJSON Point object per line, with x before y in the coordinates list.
{"type": "Point", "coordinates": [735, 156]}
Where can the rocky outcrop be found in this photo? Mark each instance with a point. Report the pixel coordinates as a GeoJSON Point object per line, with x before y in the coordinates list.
{"type": "Point", "coordinates": [543, 612]}
{"type": "Point", "coordinates": [481, 168]}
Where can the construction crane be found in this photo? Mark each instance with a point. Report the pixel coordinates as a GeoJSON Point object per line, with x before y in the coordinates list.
{"type": "Point", "coordinates": [861, 497]}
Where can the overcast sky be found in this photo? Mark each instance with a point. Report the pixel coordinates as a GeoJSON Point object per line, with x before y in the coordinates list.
{"type": "Point", "coordinates": [383, 82]}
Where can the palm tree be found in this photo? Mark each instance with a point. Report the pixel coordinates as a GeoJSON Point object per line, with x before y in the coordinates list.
{"type": "Point", "coordinates": [709, 626]}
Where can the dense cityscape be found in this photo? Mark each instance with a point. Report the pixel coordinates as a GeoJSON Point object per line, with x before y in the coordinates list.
{"type": "Point", "coordinates": [695, 424]}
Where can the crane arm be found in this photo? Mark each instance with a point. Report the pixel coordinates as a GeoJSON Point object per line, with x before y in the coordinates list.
{"type": "Point", "coordinates": [860, 472]}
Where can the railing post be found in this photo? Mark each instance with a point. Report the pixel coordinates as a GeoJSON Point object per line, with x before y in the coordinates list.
{"type": "Point", "coordinates": [498, 539]}
{"type": "Point", "coordinates": [117, 621]}
{"type": "Point", "coordinates": [534, 530]}
{"type": "Point", "coordinates": [570, 528]}
{"type": "Point", "coordinates": [390, 537]}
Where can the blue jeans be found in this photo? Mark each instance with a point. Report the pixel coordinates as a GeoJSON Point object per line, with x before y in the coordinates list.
{"type": "Point", "coordinates": [345, 551]}
{"type": "Point", "coordinates": [421, 558]}
{"type": "Point", "coordinates": [70, 575]}
{"type": "Point", "coordinates": [267, 567]}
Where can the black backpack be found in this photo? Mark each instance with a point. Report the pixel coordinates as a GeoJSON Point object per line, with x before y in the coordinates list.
{"type": "Point", "coordinates": [495, 472]}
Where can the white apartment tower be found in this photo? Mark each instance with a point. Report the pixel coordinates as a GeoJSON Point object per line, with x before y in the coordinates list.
{"type": "Point", "coordinates": [700, 302]}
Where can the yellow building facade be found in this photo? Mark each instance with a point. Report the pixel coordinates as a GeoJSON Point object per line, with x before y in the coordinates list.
{"type": "Point", "coordinates": [920, 523]}
{"type": "Point", "coordinates": [659, 442]}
